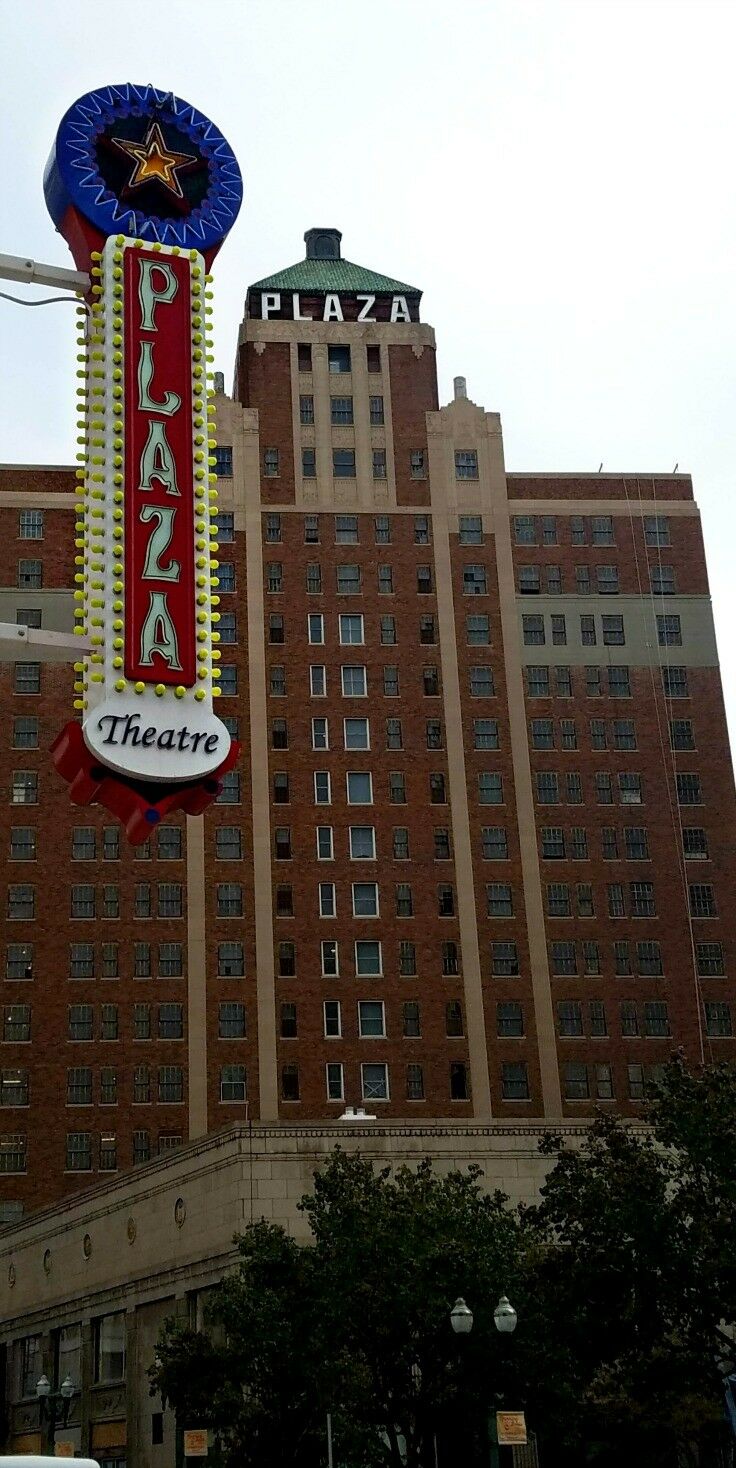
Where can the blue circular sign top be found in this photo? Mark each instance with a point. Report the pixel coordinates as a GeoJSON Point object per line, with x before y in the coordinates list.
{"type": "Point", "coordinates": [139, 161]}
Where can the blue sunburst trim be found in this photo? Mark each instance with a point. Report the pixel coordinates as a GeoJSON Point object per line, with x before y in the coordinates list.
{"type": "Point", "coordinates": [72, 177]}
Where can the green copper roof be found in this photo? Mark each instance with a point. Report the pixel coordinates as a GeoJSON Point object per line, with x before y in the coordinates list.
{"type": "Point", "coordinates": [333, 275]}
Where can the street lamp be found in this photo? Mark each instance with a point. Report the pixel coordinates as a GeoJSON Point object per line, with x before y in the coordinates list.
{"type": "Point", "coordinates": [504, 1316]}
{"type": "Point", "coordinates": [54, 1406]}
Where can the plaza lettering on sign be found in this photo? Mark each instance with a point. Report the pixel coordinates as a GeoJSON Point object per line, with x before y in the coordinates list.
{"type": "Point", "coordinates": [159, 549]}
{"type": "Point", "coordinates": [334, 307]}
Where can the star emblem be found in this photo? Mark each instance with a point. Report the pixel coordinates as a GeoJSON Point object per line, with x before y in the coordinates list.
{"type": "Point", "coordinates": [155, 162]}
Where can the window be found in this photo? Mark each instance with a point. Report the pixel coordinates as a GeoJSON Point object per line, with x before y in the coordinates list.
{"type": "Point", "coordinates": [404, 900]}
{"type": "Point", "coordinates": [109, 1022]}
{"type": "Point", "coordinates": [407, 963]}
{"type": "Point", "coordinates": [490, 788]}
{"type": "Point", "coordinates": [14, 1088]}
{"type": "Point", "coordinates": [529, 581]}
{"type": "Point", "coordinates": [374, 1082]}
{"type": "Point", "coordinates": [373, 358]}
{"type": "Point", "coordinates": [232, 1083]}
{"type": "Point", "coordinates": [388, 631]}
{"type": "Point", "coordinates": [553, 843]}
{"type": "Point", "coordinates": [593, 682]}
{"type": "Point", "coordinates": [688, 789]}
{"type": "Point", "coordinates": [226, 576]}
{"type": "Point", "coordinates": [499, 899]}
{"type": "Point", "coordinates": [332, 1019]}
{"type": "Point", "coordinates": [466, 464]}
{"type": "Point", "coordinates": [317, 683]}
{"type": "Point", "coordinates": [559, 629]}
{"type": "Point", "coordinates": [273, 528]}
{"type": "Point", "coordinates": [326, 894]}
{"type": "Point", "coordinates": [718, 1022]}
{"type": "Point", "coordinates": [574, 789]}
{"type": "Point", "coordinates": [636, 1082]}
{"type": "Point", "coordinates": [471, 530]}
{"type": "Point", "coordinates": [618, 682]}
{"type": "Point", "coordinates": [494, 843]}
{"type": "Point", "coordinates": [548, 792]}
{"type": "Point", "coordinates": [322, 787]}
{"type": "Point", "coordinates": [597, 1018]}
{"type": "Point", "coordinates": [575, 1081]}
{"type": "Point", "coordinates": [224, 521]}
{"type": "Point", "coordinates": [30, 575]}
{"type": "Point", "coordinates": [616, 908]}
{"type": "Point", "coordinates": [17, 1023]}
{"type": "Point", "coordinates": [504, 960]}
{"type": "Point", "coordinates": [359, 785]}
{"type": "Point", "coordinates": [25, 732]}
{"type": "Point", "coordinates": [579, 843]}
{"type": "Point", "coordinates": [379, 463]}
{"type": "Point", "coordinates": [481, 681]}
{"type": "Point", "coordinates": [569, 1018]}
{"type": "Point", "coordinates": [275, 574]}
{"type": "Point", "coordinates": [587, 631]}
{"type": "Point", "coordinates": [669, 631]}
{"type": "Point", "coordinates": [609, 843]}
{"type": "Point", "coordinates": [454, 1019]}
{"type": "Point", "coordinates": [537, 682]}
{"type": "Point", "coordinates": [230, 791]}
{"type": "Point", "coordinates": [371, 1020]}
{"type": "Point", "coordinates": [229, 899]}
{"type": "Point", "coordinates": [649, 959]}
{"type": "Point", "coordinates": [81, 961]}
{"type": "Point", "coordinates": [362, 843]}
{"type": "Point", "coordinates": [170, 1083]}
{"type": "Point", "coordinates": [458, 1081]}
{"type": "Point", "coordinates": [329, 958]}
{"type": "Point", "coordinates": [271, 463]}
{"type": "Point", "coordinates": [533, 630]}
{"type": "Point", "coordinates": [563, 958]}
{"type": "Point", "coordinates": [414, 1083]}
{"type": "Point", "coordinates": [346, 528]}
{"type": "Point", "coordinates": [637, 848]}
{"type": "Point", "coordinates": [417, 464]}
{"type": "Point", "coordinates": [656, 1019]}
{"type": "Point", "coordinates": [525, 530]}
{"type": "Point", "coordinates": [509, 1020]}
{"type": "Point", "coordinates": [485, 734]}
{"type": "Point", "coordinates": [394, 739]}
{"type": "Point", "coordinates": [306, 408]}
{"type": "Point", "coordinates": [613, 631]}
{"type": "Point", "coordinates": [25, 787]}
{"type": "Point", "coordinates": [368, 958]}
{"type": "Point", "coordinates": [354, 684]}
{"type": "Point", "coordinates": [709, 959]}
{"type": "Point", "coordinates": [702, 900]}
{"type": "Point", "coordinates": [629, 1018]}
{"type": "Point", "coordinates": [397, 788]}
{"type": "Point", "coordinates": [450, 959]}
{"type": "Point", "coordinates": [694, 843]}
{"type": "Point", "coordinates": [343, 463]}
{"type": "Point", "coordinates": [400, 843]}
{"type": "Point", "coordinates": [375, 405]}
{"type": "Point", "coordinates": [624, 734]}
{"type": "Point", "coordinates": [365, 899]}
{"type": "Point", "coordinates": [30, 525]}
{"type": "Point", "coordinates": [662, 580]}
{"type": "Point", "coordinates": [275, 635]}
{"type": "Point", "coordinates": [558, 899]}
{"type": "Point", "coordinates": [437, 794]}
{"type": "Point", "coordinates": [674, 682]}
{"type": "Point", "coordinates": [604, 788]}
{"type": "Point", "coordinates": [27, 678]}
{"type": "Point", "coordinates": [170, 1022]}
{"type": "Point", "coordinates": [22, 843]}
{"type": "Point", "coordinates": [22, 902]}
{"type": "Point", "coordinates": [514, 1081]}
{"type": "Point", "coordinates": [79, 1152]}
{"type": "Point", "coordinates": [477, 630]}
{"type": "Point", "coordinates": [348, 580]}
{"type": "Point", "coordinates": [424, 580]}
{"type": "Point", "coordinates": [681, 734]}
{"type": "Point", "coordinates": [309, 471]}
{"type": "Point", "coordinates": [592, 957]}
{"type": "Point", "coordinates": [629, 787]}
{"type": "Point", "coordinates": [338, 359]}
{"type": "Point", "coordinates": [382, 530]}
{"type": "Point", "coordinates": [475, 581]}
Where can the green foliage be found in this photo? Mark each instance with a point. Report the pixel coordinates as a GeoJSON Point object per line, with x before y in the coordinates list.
{"type": "Point", "coordinates": [623, 1276]}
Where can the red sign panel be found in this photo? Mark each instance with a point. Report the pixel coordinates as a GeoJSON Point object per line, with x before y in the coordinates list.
{"type": "Point", "coordinates": [159, 469]}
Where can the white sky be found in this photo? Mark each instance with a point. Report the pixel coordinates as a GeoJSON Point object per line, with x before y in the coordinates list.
{"type": "Point", "coordinates": [557, 176]}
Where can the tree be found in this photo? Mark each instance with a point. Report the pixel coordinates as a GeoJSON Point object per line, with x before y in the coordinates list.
{"type": "Point", "coordinates": [635, 1276]}
{"type": "Point", "coordinates": [357, 1325]}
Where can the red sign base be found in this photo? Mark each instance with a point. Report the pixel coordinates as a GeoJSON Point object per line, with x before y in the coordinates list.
{"type": "Point", "coordinates": [138, 804]}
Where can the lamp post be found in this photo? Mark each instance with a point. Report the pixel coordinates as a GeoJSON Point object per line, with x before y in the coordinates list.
{"type": "Point", "coordinates": [504, 1319]}
{"type": "Point", "coordinates": [54, 1406]}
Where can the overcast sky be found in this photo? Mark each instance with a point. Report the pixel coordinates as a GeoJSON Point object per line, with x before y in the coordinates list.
{"type": "Point", "coordinates": [558, 177]}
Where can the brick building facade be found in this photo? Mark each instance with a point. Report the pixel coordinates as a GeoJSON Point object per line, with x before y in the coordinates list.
{"type": "Point", "coordinates": [474, 860]}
